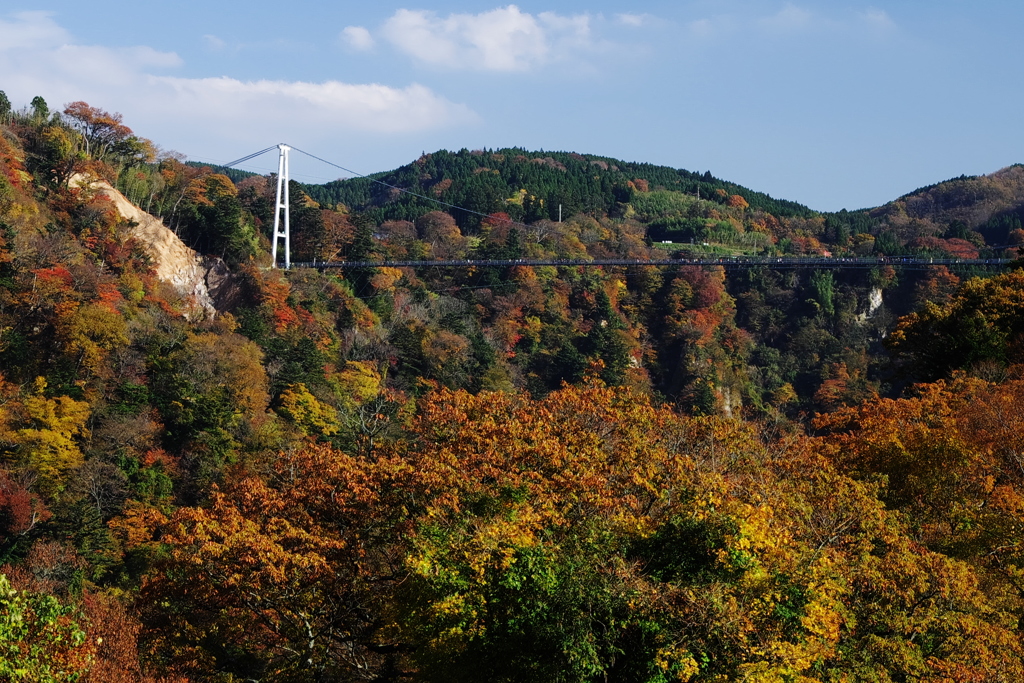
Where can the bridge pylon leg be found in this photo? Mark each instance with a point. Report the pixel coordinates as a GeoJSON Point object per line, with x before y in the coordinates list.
{"type": "Point", "coordinates": [282, 230]}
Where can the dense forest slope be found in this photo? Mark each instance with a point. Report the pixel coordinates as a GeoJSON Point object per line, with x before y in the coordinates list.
{"type": "Point", "coordinates": [992, 206]}
{"type": "Point", "coordinates": [527, 185]}
{"type": "Point", "coordinates": [545, 473]}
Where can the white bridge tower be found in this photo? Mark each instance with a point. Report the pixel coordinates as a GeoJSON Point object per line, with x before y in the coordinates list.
{"type": "Point", "coordinates": [282, 203]}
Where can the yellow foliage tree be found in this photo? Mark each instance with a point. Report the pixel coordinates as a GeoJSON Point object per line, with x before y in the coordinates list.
{"type": "Point", "coordinates": [303, 409]}
{"type": "Point", "coordinates": [93, 331]}
{"type": "Point", "coordinates": [41, 434]}
{"type": "Point", "coordinates": [357, 383]}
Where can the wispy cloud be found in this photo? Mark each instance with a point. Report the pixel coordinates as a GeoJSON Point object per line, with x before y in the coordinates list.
{"type": "Point", "coordinates": [39, 57]}
{"type": "Point", "coordinates": [634, 20]}
{"type": "Point", "coordinates": [878, 20]}
{"type": "Point", "coordinates": [26, 30]}
{"type": "Point", "coordinates": [214, 43]}
{"type": "Point", "coordinates": [788, 19]}
{"type": "Point", "coordinates": [702, 28]}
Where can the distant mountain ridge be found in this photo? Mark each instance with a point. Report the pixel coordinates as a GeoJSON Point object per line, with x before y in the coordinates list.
{"type": "Point", "coordinates": [991, 205]}
{"type": "Point", "coordinates": [527, 185]}
{"type": "Point", "coordinates": [955, 199]}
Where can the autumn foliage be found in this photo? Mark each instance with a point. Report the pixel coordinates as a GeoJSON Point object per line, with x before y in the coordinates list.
{"type": "Point", "coordinates": [507, 472]}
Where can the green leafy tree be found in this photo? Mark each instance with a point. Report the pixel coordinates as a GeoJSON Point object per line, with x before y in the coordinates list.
{"type": "Point", "coordinates": [41, 639]}
{"type": "Point", "coordinates": [983, 323]}
{"type": "Point", "coordinates": [219, 227]}
{"type": "Point", "coordinates": [40, 110]}
{"type": "Point", "coordinates": [822, 286]}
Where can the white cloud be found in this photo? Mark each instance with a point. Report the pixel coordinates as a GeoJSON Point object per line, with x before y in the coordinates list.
{"type": "Point", "coordinates": [63, 72]}
{"type": "Point", "coordinates": [38, 57]}
{"type": "Point", "coordinates": [358, 38]}
{"type": "Point", "coordinates": [372, 107]}
{"type": "Point", "coordinates": [503, 39]}
{"type": "Point", "coordinates": [27, 30]}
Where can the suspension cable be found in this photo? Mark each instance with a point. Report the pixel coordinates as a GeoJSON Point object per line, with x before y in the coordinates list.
{"type": "Point", "coordinates": [251, 156]}
{"type": "Point", "coordinates": [408, 192]}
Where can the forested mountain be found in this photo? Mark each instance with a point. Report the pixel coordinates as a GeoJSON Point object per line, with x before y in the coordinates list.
{"type": "Point", "coordinates": [214, 470]}
{"type": "Point", "coordinates": [526, 185]}
{"type": "Point", "coordinates": [992, 206]}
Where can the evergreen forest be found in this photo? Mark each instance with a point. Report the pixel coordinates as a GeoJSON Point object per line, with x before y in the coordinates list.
{"type": "Point", "coordinates": [212, 469]}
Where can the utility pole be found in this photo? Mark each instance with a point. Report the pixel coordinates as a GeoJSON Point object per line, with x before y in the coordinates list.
{"type": "Point", "coordinates": [282, 203]}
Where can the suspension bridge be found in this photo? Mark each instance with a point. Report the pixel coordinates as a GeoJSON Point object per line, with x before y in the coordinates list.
{"type": "Point", "coordinates": [282, 236]}
{"type": "Point", "coordinates": [726, 262]}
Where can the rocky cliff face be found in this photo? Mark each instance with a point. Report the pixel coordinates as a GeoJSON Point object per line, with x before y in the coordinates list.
{"type": "Point", "coordinates": [203, 281]}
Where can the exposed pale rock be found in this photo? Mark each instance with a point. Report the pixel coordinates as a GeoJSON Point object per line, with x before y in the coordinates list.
{"type": "Point", "coordinates": [203, 281]}
{"type": "Point", "coordinates": [874, 300]}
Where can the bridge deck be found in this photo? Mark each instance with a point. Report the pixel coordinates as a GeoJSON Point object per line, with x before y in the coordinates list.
{"type": "Point", "coordinates": [728, 262]}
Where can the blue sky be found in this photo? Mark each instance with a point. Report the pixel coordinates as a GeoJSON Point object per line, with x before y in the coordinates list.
{"type": "Point", "coordinates": [833, 104]}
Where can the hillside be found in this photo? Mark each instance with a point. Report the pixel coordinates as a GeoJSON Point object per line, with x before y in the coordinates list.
{"type": "Point", "coordinates": [562, 473]}
{"type": "Point", "coordinates": [528, 186]}
{"type": "Point", "coordinates": [960, 217]}
{"type": "Point", "coordinates": [991, 206]}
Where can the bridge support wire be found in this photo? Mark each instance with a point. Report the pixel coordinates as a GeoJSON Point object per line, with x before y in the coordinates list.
{"type": "Point", "coordinates": [282, 231]}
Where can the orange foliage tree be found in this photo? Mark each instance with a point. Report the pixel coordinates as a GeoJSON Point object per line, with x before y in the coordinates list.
{"type": "Point", "coordinates": [951, 461]}
{"type": "Point", "coordinates": [585, 535]}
